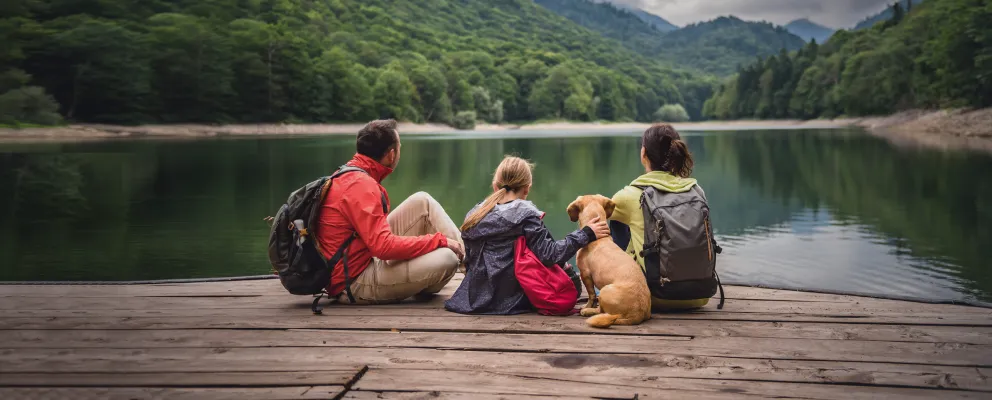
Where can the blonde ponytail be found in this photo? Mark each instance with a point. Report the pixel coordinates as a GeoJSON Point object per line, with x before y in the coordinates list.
{"type": "Point", "coordinates": [513, 174]}
{"type": "Point", "coordinates": [484, 209]}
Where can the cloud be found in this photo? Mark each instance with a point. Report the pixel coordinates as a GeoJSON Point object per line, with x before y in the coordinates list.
{"type": "Point", "coordinates": [834, 13]}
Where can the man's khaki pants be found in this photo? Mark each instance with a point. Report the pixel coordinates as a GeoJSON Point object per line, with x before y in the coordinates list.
{"type": "Point", "coordinates": [393, 281]}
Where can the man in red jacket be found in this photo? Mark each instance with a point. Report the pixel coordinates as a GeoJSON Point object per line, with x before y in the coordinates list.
{"type": "Point", "coordinates": [413, 250]}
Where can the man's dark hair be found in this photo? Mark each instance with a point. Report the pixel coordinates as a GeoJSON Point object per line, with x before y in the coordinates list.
{"type": "Point", "coordinates": [376, 138]}
{"type": "Point", "coordinates": [666, 151]}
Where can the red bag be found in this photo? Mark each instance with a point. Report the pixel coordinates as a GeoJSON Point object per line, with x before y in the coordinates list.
{"type": "Point", "coordinates": [549, 289]}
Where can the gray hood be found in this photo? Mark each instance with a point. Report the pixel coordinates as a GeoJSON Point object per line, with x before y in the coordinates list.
{"type": "Point", "coordinates": [504, 220]}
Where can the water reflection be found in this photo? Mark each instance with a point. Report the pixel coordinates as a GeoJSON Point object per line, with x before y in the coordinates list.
{"type": "Point", "coordinates": [826, 210]}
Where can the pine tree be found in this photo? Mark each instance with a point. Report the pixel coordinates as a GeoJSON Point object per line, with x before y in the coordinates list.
{"type": "Point", "coordinates": [897, 14]}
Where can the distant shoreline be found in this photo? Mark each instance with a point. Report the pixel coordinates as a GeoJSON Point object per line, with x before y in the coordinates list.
{"type": "Point", "coordinates": [944, 129]}
{"type": "Point", "coordinates": [948, 129]}
{"type": "Point", "coordinates": [103, 131]}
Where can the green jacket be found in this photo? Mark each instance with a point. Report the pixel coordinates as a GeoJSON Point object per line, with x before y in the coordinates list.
{"type": "Point", "coordinates": [628, 211]}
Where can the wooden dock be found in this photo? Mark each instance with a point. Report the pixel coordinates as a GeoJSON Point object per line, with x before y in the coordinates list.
{"type": "Point", "coordinates": [251, 340]}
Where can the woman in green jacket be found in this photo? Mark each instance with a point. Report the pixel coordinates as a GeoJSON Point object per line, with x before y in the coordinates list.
{"type": "Point", "coordinates": [666, 170]}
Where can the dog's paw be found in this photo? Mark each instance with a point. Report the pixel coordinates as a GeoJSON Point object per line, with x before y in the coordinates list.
{"type": "Point", "coordinates": [588, 312]}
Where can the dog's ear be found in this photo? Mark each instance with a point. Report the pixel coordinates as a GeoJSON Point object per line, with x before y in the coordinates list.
{"type": "Point", "coordinates": [609, 206]}
{"type": "Point", "coordinates": [573, 211]}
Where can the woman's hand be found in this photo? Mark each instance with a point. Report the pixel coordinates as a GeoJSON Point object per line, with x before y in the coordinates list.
{"type": "Point", "coordinates": [600, 228]}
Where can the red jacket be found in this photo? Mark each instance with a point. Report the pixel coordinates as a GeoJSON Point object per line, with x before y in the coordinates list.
{"type": "Point", "coordinates": [354, 204]}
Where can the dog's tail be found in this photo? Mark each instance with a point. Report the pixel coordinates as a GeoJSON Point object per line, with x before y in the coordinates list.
{"type": "Point", "coordinates": [602, 320]}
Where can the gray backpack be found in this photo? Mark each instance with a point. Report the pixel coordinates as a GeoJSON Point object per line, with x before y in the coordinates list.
{"type": "Point", "coordinates": [679, 249]}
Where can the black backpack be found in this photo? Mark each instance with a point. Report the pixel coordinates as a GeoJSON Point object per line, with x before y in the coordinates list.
{"type": "Point", "coordinates": [292, 245]}
{"type": "Point", "coordinates": [679, 249]}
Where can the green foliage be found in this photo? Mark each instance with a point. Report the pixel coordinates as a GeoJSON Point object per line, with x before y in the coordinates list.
{"type": "Point", "coordinates": [936, 55]}
{"type": "Point", "coordinates": [464, 120]}
{"type": "Point", "coordinates": [13, 79]}
{"type": "Point", "coordinates": [29, 104]}
{"type": "Point", "coordinates": [96, 69]}
{"type": "Point", "coordinates": [960, 52]}
{"type": "Point", "coordinates": [671, 113]}
{"type": "Point", "coordinates": [22, 105]}
{"type": "Point", "coordinates": [393, 93]}
{"type": "Point", "coordinates": [885, 15]}
{"type": "Point", "coordinates": [496, 113]}
{"type": "Point", "coordinates": [218, 61]}
{"type": "Point", "coordinates": [485, 108]}
{"type": "Point", "coordinates": [565, 93]}
{"type": "Point", "coordinates": [483, 103]}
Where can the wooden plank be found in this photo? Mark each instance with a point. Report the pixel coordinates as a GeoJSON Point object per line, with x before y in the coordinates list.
{"type": "Point", "coordinates": [333, 338]}
{"type": "Point", "coordinates": [736, 293]}
{"type": "Point", "coordinates": [964, 320]}
{"type": "Point", "coordinates": [767, 343]}
{"type": "Point", "coordinates": [286, 301]}
{"type": "Point", "coordinates": [620, 365]}
{"type": "Point", "coordinates": [435, 395]}
{"type": "Point", "coordinates": [610, 386]}
{"type": "Point", "coordinates": [272, 287]}
{"type": "Point", "coordinates": [527, 324]}
{"type": "Point", "coordinates": [337, 377]}
{"type": "Point", "coordinates": [272, 305]}
{"type": "Point", "coordinates": [302, 392]}
{"type": "Point", "coordinates": [302, 310]}
{"type": "Point", "coordinates": [763, 348]}
{"type": "Point", "coordinates": [748, 298]}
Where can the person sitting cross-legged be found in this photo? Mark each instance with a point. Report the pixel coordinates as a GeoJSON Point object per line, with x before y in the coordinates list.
{"type": "Point", "coordinates": [412, 250]}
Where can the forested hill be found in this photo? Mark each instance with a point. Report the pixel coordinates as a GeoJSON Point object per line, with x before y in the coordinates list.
{"type": "Point", "coordinates": [125, 61]}
{"type": "Point", "coordinates": [936, 56]}
{"type": "Point", "coordinates": [714, 47]}
{"type": "Point", "coordinates": [720, 45]}
{"type": "Point", "coordinates": [884, 15]}
{"type": "Point", "coordinates": [610, 21]}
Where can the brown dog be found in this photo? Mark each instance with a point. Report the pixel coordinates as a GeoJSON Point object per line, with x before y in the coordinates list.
{"type": "Point", "coordinates": [624, 298]}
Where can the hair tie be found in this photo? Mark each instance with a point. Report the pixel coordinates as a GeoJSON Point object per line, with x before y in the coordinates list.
{"type": "Point", "coordinates": [507, 188]}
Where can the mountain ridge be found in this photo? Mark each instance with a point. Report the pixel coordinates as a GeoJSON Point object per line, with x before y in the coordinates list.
{"type": "Point", "coordinates": [657, 21]}
{"type": "Point", "coordinates": [809, 30]}
{"type": "Point", "coordinates": [713, 47]}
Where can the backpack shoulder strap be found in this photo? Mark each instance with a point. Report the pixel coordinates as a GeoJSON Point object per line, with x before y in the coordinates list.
{"type": "Point", "coordinates": [342, 253]}
{"type": "Point", "coordinates": [699, 190]}
{"type": "Point", "coordinates": [350, 168]}
{"type": "Point", "coordinates": [344, 169]}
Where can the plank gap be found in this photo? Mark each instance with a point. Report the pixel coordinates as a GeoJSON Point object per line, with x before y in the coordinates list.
{"type": "Point", "coordinates": [351, 382]}
{"type": "Point", "coordinates": [605, 334]}
{"type": "Point", "coordinates": [823, 383]}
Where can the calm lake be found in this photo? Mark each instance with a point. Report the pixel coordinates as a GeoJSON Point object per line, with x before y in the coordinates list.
{"type": "Point", "coordinates": [831, 210]}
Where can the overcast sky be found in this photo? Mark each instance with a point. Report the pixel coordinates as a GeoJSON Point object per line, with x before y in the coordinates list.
{"type": "Point", "coordinates": [832, 13]}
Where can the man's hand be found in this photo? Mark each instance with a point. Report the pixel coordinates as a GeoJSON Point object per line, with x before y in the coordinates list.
{"type": "Point", "coordinates": [600, 228]}
{"type": "Point", "coordinates": [456, 247]}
